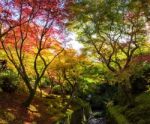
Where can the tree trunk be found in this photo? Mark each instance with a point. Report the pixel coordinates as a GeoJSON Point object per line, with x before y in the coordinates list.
{"type": "Point", "coordinates": [28, 101]}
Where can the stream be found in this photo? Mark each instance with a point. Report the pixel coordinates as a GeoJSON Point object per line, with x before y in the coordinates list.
{"type": "Point", "coordinates": [93, 119]}
{"type": "Point", "coordinates": [84, 116]}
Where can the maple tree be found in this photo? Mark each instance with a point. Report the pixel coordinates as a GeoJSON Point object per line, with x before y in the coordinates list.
{"type": "Point", "coordinates": [32, 27]}
{"type": "Point", "coordinates": [67, 70]}
{"type": "Point", "coordinates": [112, 32]}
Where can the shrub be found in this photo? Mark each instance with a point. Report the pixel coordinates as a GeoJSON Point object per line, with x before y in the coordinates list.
{"type": "Point", "coordinates": [45, 82]}
{"type": "Point", "coordinates": [139, 114]}
{"type": "Point", "coordinates": [8, 81]}
{"type": "Point", "coordinates": [57, 89]}
{"type": "Point", "coordinates": [114, 112]}
{"type": "Point", "coordinates": [139, 78]}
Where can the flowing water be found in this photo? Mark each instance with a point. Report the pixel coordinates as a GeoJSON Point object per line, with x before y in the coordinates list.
{"type": "Point", "coordinates": [84, 116]}
{"type": "Point", "coordinates": [93, 119]}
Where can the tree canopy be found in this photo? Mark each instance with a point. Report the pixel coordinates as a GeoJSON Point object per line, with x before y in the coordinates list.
{"type": "Point", "coordinates": [108, 78]}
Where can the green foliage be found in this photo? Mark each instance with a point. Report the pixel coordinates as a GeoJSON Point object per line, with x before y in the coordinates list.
{"type": "Point", "coordinates": [146, 71]}
{"type": "Point", "coordinates": [143, 98]}
{"type": "Point", "coordinates": [139, 77]}
{"type": "Point", "coordinates": [112, 32]}
{"type": "Point", "coordinates": [116, 116]}
{"type": "Point", "coordinates": [57, 89]}
{"type": "Point", "coordinates": [8, 81]}
{"type": "Point", "coordinates": [108, 29]}
{"type": "Point", "coordinates": [139, 114]}
{"type": "Point", "coordinates": [132, 81]}
{"type": "Point", "coordinates": [45, 82]}
{"type": "Point", "coordinates": [98, 95]}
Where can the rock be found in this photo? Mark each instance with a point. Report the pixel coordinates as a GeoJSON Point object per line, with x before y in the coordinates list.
{"type": "Point", "coordinates": [96, 118]}
{"type": "Point", "coordinates": [97, 121]}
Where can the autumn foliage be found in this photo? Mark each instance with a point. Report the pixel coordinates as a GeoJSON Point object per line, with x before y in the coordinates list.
{"type": "Point", "coordinates": [32, 27]}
